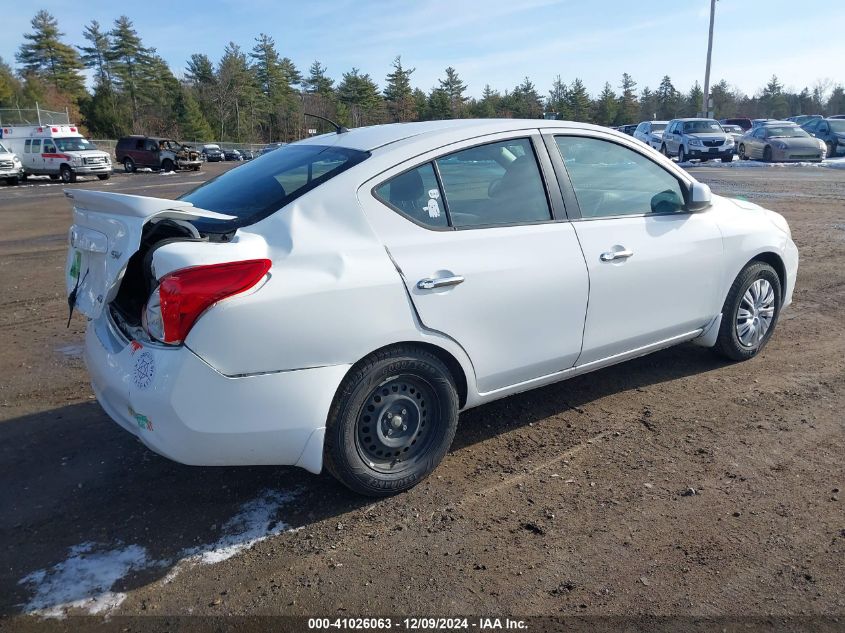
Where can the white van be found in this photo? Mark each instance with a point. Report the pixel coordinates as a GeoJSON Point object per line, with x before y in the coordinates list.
{"type": "Point", "coordinates": [58, 151]}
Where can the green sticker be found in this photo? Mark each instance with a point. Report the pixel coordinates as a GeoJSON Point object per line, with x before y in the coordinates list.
{"type": "Point", "coordinates": [77, 264]}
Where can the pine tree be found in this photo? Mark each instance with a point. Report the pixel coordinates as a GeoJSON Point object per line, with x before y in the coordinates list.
{"type": "Point", "coordinates": [579, 102]}
{"type": "Point", "coordinates": [439, 105]}
{"type": "Point", "coordinates": [724, 100]}
{"type": "Point", "coordinates": [836, 102]}
{"type": "Point", "coordinates": [628, 108]}
{"type": "Point", "coordinates": [648, 105]}
{"type": "Point", "coordinates": [192, 124]}
{"type": "Point", "coordinates": [96, 55]}
{"type": "Point", "coordinates": [454, 89]}
{"type": "Point", "coordinates": [317, 81]}
{"type": "Point", "coordinates": [9, 85]}
{"type": "Point", "coordinates": [488, 106]}
{"type": "Point", "coordinates": [399, 94]}
{"type": "Point", "coordinates": [420, 104]}
{"type": "Point", "coordinates": [557, 102]}
{"type": "Point", "coordinates": [606, 106]}
{"type": "Point", "coordinates": [44, 55]}
{"type": "Point", "coordinates": [694, 100]}
{"type": "Point", "coordinates": [667, 99]}
{"type": "Point", "coordinates": [130, 62]}
{"type": "Point", "coordinates": [525, 101]}
{"type": "Point", "coordinates": [361, 96]}
{"type": "Point", "coordinates": [772, 99]}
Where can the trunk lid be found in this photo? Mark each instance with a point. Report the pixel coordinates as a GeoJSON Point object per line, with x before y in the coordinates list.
{"type": "Point", "coordinates": [106, 232]}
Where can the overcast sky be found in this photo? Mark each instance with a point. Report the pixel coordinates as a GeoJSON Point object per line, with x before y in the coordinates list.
{"type": "Point", "coordinates": [490, 41]}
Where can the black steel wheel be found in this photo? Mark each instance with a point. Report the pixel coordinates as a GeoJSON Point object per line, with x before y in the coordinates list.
{"type": "Point", "coordinates": [392, 421]}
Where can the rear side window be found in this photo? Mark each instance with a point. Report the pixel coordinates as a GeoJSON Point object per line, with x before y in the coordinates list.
{"type": "Point", "coordinates": [27, 146]}
{"type": "Point", "coordinates": [262, 186]}
{"type": "Point", "coordinates": [497, 183]}
{"type": "Point", "coordinates": [36, 146]}
{"type": "Point", "coordinates": [416, 195]}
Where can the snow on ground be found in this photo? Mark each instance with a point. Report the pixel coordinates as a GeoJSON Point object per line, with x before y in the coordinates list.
{"type": "Point", "coordinates": [86, 578]}
{"type": "Point", "coordinates": [83, 580]}
{"type": "Point", "coordinates": [831, 163]}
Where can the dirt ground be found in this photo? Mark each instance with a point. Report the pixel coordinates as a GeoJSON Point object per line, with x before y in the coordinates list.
{"type": "Point", "coordinates": [675, 484]}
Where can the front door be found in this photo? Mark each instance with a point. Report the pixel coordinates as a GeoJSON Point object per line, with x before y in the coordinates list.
{"type": "Point", "coordinates": [653, 265]}
{"type": "Point", "coordinates": [483, 259]}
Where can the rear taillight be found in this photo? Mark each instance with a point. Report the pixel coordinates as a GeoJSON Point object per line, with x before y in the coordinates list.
{"type": "Point", "coordinates": [183, 295]}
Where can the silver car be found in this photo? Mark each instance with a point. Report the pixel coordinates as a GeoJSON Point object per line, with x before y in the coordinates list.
{"type": "Point", "coordinates": [780, 142]}
{"type": "Point", "coordinates": [735, 131]}
{"type": "Point", "coordinates": [651, 132]}
{"type": "Point", "coordinates": [702, 139]}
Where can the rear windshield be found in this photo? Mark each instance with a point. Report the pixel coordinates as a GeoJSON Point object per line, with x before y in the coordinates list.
{"type": "Point", "coordinates": [253, 191]}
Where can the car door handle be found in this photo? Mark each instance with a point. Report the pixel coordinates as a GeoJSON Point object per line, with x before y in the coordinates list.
{"type": "Point", "coordinates": [609, 256]}
{"type": "Point", "coordinates": [440, 282]}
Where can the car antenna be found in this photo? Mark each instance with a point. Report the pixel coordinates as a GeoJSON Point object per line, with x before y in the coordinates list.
{"type": "Point", "coordinates": [337, 128]}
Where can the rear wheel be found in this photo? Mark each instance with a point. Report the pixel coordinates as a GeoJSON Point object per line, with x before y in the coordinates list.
{"type": "Point", "coordinates": [767, 155]}
{"type": "Point", "coordinates": [66, 174]}
{"type": "Point", "coordinates": [167, 165]}
{"type": "Point", "coordinates": [750, 312]}
{"type": "Point", "coordinates": [128, 165]}
{"type": "Point", "coordinates": [392, 421]}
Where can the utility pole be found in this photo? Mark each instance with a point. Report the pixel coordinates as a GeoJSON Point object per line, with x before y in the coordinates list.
{"type": "Point", "coordinates": [706, 105]}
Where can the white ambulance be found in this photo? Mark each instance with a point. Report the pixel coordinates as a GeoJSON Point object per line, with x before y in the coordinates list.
{"type": "Point", "coordinates": [58, 151]}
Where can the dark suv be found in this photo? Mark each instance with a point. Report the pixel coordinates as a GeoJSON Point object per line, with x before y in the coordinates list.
{"type": "Point", "coordinates": [831, 131]}
{"type": "Point", "coordinates": [156, 153]}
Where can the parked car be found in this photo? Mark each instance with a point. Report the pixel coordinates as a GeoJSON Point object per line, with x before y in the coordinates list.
{"type": "Point", "coordinates": [735, 131]}
{"type": "Point", "coordinates": [742, 122]}
{"type": "Point", "coordinates": [701, 139]}
{"type": "Point", "coordinates": [628, 129]}
{"type": "Point", "coordinates": [156, 153]}
{"type": "Point", "coordinates": [232, 154]}
{"type": "Point", "coordinates": [247, 154]}
{"type": "Point", "coordinates": [780, 142]}
{"type": "Point", "coordinates": [651, 132]}
{"type": "Point", "coordinates": [755, 123]}
{"type": "Point", "coordinates": [350, 294]}
{"type": "Point", "coordinates": [801, 119]}
{"type": "Point", "coordinates": [212, 153]}
{"type": "Point", "coordinates": [837, 116]}
{"type": "Point", "coordinates": [11, 168]}
{"type": "Point", "coordinates": [271, 146]}
{"type": "Point", "coordinates": [831, 132]}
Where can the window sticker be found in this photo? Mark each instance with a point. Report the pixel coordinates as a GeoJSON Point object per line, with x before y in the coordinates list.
{"type": "Point", "coordinates": [434, 194]}
{"type": "Point", "coordinates": [433, 208]}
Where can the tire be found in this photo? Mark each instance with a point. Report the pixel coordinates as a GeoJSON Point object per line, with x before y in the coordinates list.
{"type": "Point", "coordinates": [742, 154]}
{"type": "Point", "coordinates": [12, 181]}
{"type": "Point", "coordinates": [831, 150]}
{"type": "Point", "coordinates": [682, 155]}
{"type": "Point", "coordinates": [66, 174]}
{"type": "Point", "coordinates": [767, 154]}
{"type": "Point", "coordinates": [129, 165]}
{"type": "Point", "coordinates": [663, 150]}
{"type": "Point", "coordinates": [363, 436]}
{"type": "Point", "coordinates": [167, 165]}
{"type": "Point", "coordinates": [195, 168]}
{"type": "Point", "coordinates": [727, 159]}
{"type": "Point", "coordinates": [742, 301]}
{"type": "Point", "coordinates": [103, 176]}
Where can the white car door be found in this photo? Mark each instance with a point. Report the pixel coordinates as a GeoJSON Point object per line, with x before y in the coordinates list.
{"type": "Point", "coordinates": [654, 267]}
{"type": "Point", "coordinates": [485, 259]}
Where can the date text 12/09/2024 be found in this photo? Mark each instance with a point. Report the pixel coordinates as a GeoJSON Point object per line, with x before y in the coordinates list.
{"type": "Point", "coordinates": [418, 624]}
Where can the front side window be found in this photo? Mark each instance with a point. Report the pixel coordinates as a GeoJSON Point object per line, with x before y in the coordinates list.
{"type": "Point", "coordinates": [612, 180]}
{"type": "Point", "coordinates": [36, 146]}
{"type": "Point", "coordinates": [49, 148]}
{"type": "Point", "coordinates": [416, 194]}
{"type": "Point", "coordinates": [262, 186]}
{"type": "Point", "coordinates": [497, 183]}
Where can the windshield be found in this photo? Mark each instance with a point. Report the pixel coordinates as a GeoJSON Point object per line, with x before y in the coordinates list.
{"type": "Point", "coordinates": [837, 125]}
{"type": "Point", "coordinates": [781, 131]}
{"type": "Point", "coordinates": [694, 127]}
{"type": "Point", "coordinates": [263, 186]}
{"type": "Point", "coordinates": [658, 127]}
{"type": "Point", "coordinates": [74, 144]}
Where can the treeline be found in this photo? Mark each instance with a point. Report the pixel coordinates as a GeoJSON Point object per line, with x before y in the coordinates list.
{"type": "Point", "coordinates": [259, 95]}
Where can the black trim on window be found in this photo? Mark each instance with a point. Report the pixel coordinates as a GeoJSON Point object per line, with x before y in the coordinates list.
{"type": "Point", "coordinates": [393, 207]}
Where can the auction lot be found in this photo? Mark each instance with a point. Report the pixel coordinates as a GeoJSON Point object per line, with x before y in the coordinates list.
{"type": "Point", "coordinates": [673, 484]}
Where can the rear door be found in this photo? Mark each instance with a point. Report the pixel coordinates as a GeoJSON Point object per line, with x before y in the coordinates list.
{"type": "Point", "coordinates": [654, 267]}
{"type": "Point", "coordinates": [486, 254]}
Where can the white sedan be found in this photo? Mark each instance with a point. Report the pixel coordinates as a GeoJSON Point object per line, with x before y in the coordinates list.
{"type": "Point", "coordinates": [337, 302]}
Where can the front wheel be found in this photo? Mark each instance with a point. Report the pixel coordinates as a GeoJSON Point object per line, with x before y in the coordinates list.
{"type": "Point", "coordinates": [682, 155]}
{"type": "Point", "coordinates": [742, 154]}
{"type": "Point", "coordinates": [66, 174]}
{"type": "Point", "coordinates": [750, 312]}
{"type": "Point", "coordinates": [128, 165]}
{"type": "Point", "coordinates": [727, 159]}
{"type": "Point", "coordinates": [103, 176]}
{"type": "Point", "coordinates": [831, 150]}
{"type": "Point", "coordinates": [12, 181]}
{"type": "Point", "coordinates": [167, 165]}
{"type": "Point", "coordinates": [392, 421]}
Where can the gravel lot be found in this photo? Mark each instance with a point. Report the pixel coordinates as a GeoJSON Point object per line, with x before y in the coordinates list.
{"type": "Point", "coordinates": [675, 484]}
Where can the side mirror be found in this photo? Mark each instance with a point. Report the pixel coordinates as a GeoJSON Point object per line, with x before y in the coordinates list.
{"type": "Point", "coordinates": [700, 197]}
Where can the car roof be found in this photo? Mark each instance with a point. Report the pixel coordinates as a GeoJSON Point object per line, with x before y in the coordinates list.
{"type": "Point", "coordinates": [694, 118]}
{"type": "Point", "coordinates": [376, 136]}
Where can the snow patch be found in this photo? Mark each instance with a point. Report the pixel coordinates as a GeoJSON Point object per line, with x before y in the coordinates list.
{"type": "Point", "coordinates": [83, 580]}
{"type": "Point", "coordinates": [830, 163]}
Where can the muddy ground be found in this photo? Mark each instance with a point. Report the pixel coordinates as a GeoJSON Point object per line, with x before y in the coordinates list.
{"type": "Point", "coordinates": [676, 484]}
